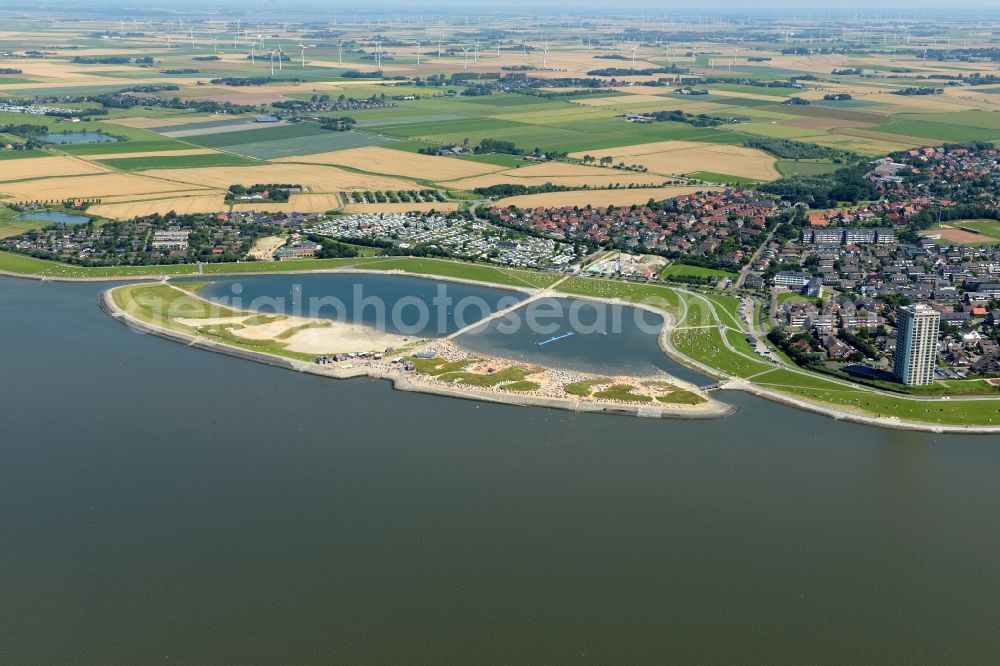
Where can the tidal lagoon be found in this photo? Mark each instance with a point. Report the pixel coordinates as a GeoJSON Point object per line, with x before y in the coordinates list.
{"type": "Point", "coordinates": [162, 504]}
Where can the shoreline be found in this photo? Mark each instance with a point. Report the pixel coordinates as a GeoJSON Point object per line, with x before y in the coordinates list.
{"type": "Point", "coordinates": [725, 382]}
{"type": "Point", "coordinates": [404, 381]}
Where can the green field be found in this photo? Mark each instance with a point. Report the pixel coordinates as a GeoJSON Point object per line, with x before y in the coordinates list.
{"type": "Point", "coordinates": [309, 144]}
{"type": "Point", "coordinates": [939, 132]}
{"type": "Point", "coordinates": [719, 178]}
{"type": "Point", "coordinates": [253, 136]}
{"type": "Point", "coordinates": [9, 226]}
{"type": "Point", "coordinates": [683, 270]}
{"type": "Point", "coordinates": [7, 155]}
{"type": "Point", "coordinates": [176, 162]}
{"type": "Point", "coordinates": [990, 230]}
{"type": "Point", "coordinates": [805, 168]}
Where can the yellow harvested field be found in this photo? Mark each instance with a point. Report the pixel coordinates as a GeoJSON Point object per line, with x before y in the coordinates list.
{"type": "Point", "coordinates": [298, 203]}
{"type": "Point", "coordinates": [86, 187]}
{"type": "Point", "coordinates": [212, 203]}
{"type": "Point", "coordinates": [125, 198]}
{"type": "Point", "coordinates": [679, 157]}
{"type": "Point", "coordinates": [557, 173]}
{"type": "Point", "coordinates": [313, 177]}
{"type": "Point", "coordinates": [41, 167]}
{"type": "Point", "coordinates": [400, 207]}
{"type": "Point", "coordinates": [170, 153]}
{"type": "Point", "coordinates": [399, 163]}
{"type": "Point", "coordinates": [558, 169]}
{"type": "Point", "coordinates": [599, 197]}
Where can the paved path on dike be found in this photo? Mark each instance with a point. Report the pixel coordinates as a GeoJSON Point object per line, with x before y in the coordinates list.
{"type": "Point", "coordinates": [541, 293]}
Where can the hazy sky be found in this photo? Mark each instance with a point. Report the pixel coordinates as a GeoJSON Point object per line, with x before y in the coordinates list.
{"type": "Point", "coordinates": [323, 8]}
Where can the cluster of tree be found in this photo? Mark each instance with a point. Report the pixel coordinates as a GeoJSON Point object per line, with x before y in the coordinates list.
{"type": "Point", "coordinates": [608, 161]}
{"type": "Point", "coordinates": [959, 54]}
{"type": "Point", "coordinates": [678, 116]}
{"type": "Point", "coordinates": [332, 249]}
{"type": "Point", "coordinates": [25, 129]}
{"type": "Point", "coordinates": [277, 192]}
{"type": "Point", "coordinates": [741, 81]}
{"type": "Point", "coordinates": [786, 343]}
{"type": "Point", "coordinates": [912, 91]}
{"type": "Point", "coordinates": [796, 101]}
{"type": "Point", "coordinates": [978, 79]}
{"type": "Point", "coordinates": [355, 74]}
{"type": "Point", "coordinates": [516, 189]}
{"type": "Point", "coordinates": [182, 70]}
{"type": "Point", "coordinates": [859, 342]}
{"type": "Point", "coordinates": [555, 94]}
{"type": "Point", "coordinates": [790, 149]}
{"type": "Point", "coordinates": [629, 71]}
{"type": "Point", "coordinates": [113, 60]}
{"type": "Point", "coordinates": [10, 70]}
{"type": "Point", "coordinates": [341, 124]}
{"type": "Point", "coordinates": [837, 97]}
{"type": "Point", "coordinates": [207, 58]}
{"type": "Point", "coordinates": [241, 81]}
{"type": "Point", "coordinates": [497, 146]}
{"type": "Point", "coordinates": [155, 88]}
{"type": "Point", "coordinates": [848, 71]}
{"type": "Point", "coordinates": [123, 100]}
{"type": "Point", "coordinates": [847, 184]}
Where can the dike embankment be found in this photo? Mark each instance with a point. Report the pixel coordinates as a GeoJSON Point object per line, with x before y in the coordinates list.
{"type": "Point", "coordinates": [406, 381]}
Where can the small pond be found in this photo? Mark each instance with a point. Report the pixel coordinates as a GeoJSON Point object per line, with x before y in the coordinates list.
{"type": "Point", "coordinates": [53, 217]}
{"type": "Point", "coordinates": [77, 137]}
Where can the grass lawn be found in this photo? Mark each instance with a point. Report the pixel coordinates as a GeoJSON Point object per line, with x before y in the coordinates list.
{"type": "Point", "coordinates": [805, 168]}
{"type": "Point", "coordinates": [720, 178]}
{"type": "Point", "coordinates": [683, 270]}
{"type": "Point", "coordinates": [793, 297]}
{"type": "Point", "coordinates": [160, 304]}
{"type": "Point", "coordinates": [622, 393]}
{"type": "Point", "coordinates": [10, 226]}
{"type": "Point", "coordinates": [480, 272]}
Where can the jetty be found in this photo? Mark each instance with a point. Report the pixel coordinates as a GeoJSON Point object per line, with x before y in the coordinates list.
{"type": "Point", "coordinates": [554, 338]}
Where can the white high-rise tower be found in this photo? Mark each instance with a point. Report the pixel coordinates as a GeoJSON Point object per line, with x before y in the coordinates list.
{"type": "Point", "coordinates": [916, 344]}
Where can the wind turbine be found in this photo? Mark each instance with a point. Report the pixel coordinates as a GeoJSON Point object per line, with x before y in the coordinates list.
{"type": "Point", "coordinates": [418, 55]}
{"type": "Point", "coordinates": [272, 61]}
{"type": "Point", "coordinates": [340, 53]}
{"type": "Point", "coordinates": [545, 55]}
{"type": "Point", "coordinates": [465, 50]}
{"type": "Point", "coordinates": [302, 49]}
{"type": "Point", "coordinates": [476, 51]}
{"type": "Point", "coordinates": [378, 55]}
{"type": "Point", "coordinates": [253, 63]}
{"type": "Point", "coordinates": [634, 48]}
